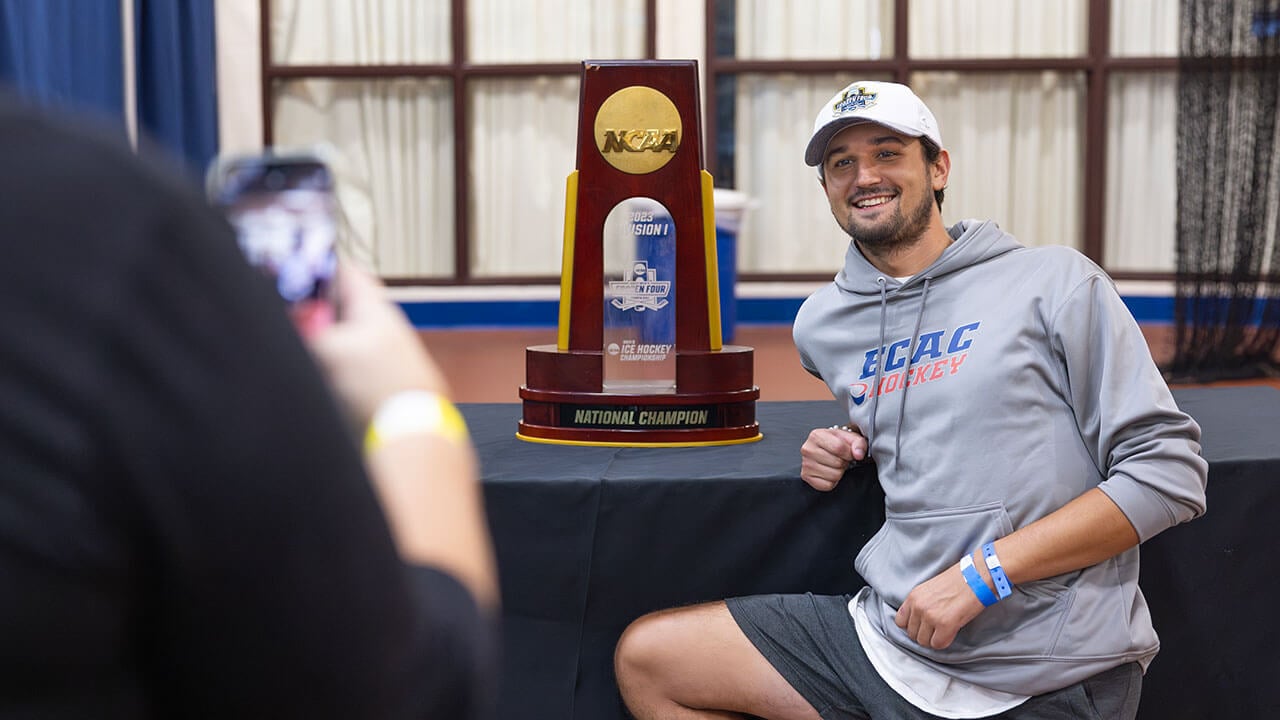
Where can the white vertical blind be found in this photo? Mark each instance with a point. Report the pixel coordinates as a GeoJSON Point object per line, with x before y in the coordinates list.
{"type": "Point", "coordinates": [502, 31]}
{"type": "Point", "coordinates": [360, 32]}
{"type": "Point", "coordinates": [392, 143]}
{"type": "Point", "coordinates": [394, 139]}
{"type": "Point", "coordinates": [523, 141]}
{"type": "Point", "coordinates": [239, 75]}
{"type": "Point", "coordinates": [790, 228]}
{"type": "Point", "coordinates": [997, 28]}
{"type": "Point", "coordinates": [1141, 205]}
{"type": "Point", "coordinates": [1145, 28]}
{"type": "Point", "coordinates": [1016, 149]}
{"type": "Point", "coordinates": [1141, 210]}
{"type": "Point", "coordinates": [854, 29]}
{"type": "Point", "coordinates": [1017, 133]}
{"type": "Point", "coordinates": [1016, 139]}
{"type": "Point", "coordinates": [524, 131]}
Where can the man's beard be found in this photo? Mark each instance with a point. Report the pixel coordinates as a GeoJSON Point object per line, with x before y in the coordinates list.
{"type": "Point", "coordinates": [897, 231]}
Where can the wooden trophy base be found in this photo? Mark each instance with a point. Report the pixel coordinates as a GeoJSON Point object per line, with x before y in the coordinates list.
{"type": "Point", "coordinates": [715, 403]}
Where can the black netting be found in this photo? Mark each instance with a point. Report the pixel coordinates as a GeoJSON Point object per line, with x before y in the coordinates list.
{"type": "Point", "coordinates": [1227, 309]}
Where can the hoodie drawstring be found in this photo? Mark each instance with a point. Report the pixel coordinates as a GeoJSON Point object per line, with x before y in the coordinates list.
{"type": "Point", "coordinates": [911, 351]}
{"type": "Point", "coordinates": [875, 385]}
{"type": "Point", "coordinates": [906, 378]}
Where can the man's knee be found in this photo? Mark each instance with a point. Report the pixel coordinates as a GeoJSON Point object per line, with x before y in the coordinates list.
{"type": "Point", "coordinates": [642, 646]}
{"type": "Point", "coordinates": [654, 642]}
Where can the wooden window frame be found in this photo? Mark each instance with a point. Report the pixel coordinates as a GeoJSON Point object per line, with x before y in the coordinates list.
{"type": "Point", "coordinates": [460, 71]}
{"type": "Point", "coordinates": [1098, 65]}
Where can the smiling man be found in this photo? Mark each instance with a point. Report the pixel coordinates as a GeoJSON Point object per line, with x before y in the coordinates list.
{"type": "Point", "coordinates": [883, 179]}
{"type": "Point", "coordinates": [1026, 444]}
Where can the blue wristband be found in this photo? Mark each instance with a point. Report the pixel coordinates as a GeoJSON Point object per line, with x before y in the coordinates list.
{"type": "Point", "coordinates": [976, 583]}
{"type": "Point", "coordinates": [997, 572]}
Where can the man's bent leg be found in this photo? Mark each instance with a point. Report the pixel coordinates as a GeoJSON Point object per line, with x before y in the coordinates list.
{"type": "Point", "coordinates": [695, 662]}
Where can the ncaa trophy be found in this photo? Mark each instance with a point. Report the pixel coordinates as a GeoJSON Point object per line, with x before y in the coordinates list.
{"type": "Point", "coordinates": [638, 359]}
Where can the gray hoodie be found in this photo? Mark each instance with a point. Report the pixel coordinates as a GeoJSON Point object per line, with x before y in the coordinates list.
{"type": "Point", "coordinates": [994, 387]}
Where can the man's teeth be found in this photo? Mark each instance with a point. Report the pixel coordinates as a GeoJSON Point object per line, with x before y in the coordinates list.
{"type": "Point", "coordinates": [872, 202]}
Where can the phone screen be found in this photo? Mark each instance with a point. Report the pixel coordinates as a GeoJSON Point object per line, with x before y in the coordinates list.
{"type": "Point", "coordinates": [284, 214]}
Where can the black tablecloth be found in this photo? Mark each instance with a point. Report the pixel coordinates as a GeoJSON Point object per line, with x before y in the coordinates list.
{"type": "Point", "coordinates": [590, 538]}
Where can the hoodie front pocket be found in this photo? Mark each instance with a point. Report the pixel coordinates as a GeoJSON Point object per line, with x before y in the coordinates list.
{"type": "Point", "coordinates": [914, 547]}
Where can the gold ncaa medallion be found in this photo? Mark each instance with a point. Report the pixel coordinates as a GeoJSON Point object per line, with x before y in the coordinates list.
{"type": "Point", "coordinates": [638, 129]}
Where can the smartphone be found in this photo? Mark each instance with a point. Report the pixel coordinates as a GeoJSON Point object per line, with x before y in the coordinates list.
{"type": "Point", "coordinates": [284, 211]}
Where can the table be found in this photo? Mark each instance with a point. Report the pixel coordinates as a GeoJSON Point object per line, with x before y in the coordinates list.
{"type": "Point", "coordinates": [590, 538]}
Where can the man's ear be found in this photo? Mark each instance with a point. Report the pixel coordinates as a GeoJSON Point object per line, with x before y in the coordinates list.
{"type": "Point", "coordinates": [940, 170]}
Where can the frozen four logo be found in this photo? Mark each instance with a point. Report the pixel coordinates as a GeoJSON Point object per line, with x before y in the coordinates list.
{"type": "Point", "coordinates": [643, 291]}
{"type": "Point", "coordinates": [938, 355]}
{"type": "Point", "coordinates": [859, 98]}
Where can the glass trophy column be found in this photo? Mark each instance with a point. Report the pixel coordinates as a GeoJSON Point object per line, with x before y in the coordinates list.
{"type": "Point", "coordinates": [639, 302]}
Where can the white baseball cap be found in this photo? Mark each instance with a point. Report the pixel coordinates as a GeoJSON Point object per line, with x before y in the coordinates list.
{"type": "Point", "coordinates": [883, 103]}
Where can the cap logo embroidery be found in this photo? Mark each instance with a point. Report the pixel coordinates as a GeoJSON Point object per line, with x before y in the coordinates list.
{"type": "Point", "coordinates": [858, 98]}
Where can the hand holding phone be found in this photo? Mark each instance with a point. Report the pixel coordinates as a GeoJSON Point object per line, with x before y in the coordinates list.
{"type": "Point", "coordinates": [373, 352]}
{"type": "Point", "coordinates": [284, 212]}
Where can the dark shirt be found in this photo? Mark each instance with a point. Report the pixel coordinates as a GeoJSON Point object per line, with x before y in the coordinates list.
{"type": "Point", "coordinates": [186, 528]}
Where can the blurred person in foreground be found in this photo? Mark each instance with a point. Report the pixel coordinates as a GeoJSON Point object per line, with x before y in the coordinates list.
{"type": "Point", "coordinates": [187, 525]}
{"type": "Point", "coordinates": [1026, 444]}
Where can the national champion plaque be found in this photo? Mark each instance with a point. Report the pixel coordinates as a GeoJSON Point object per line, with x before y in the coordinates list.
{"type": "Point", "coordinates": [638, 358]}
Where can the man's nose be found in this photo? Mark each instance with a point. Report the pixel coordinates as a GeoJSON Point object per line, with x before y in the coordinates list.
{"type": "Point", "coordinates": [868, 175]}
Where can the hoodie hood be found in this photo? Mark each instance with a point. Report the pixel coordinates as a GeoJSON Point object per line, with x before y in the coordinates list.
{"type": "Point", "coordinates": [973, 242]}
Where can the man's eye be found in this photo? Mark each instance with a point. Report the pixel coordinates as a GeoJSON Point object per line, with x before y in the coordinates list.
{"type": "Point", "coordinates": [887, 154]}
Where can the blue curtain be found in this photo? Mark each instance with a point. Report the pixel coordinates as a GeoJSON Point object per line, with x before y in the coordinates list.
{"type": "Point", "coordinates": [64, 53]}
{"type": "Point", "coordinates": [177, 78]}
{"type": "Point", "coordinates": [69, 54]}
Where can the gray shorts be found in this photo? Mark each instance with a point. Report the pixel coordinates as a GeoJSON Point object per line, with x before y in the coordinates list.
{"type": "Point", "coordinates": [811, 641]}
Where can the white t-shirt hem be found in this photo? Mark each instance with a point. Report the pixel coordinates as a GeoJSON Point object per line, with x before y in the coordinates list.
{"type": "Point", "coordinates": [921, 684]}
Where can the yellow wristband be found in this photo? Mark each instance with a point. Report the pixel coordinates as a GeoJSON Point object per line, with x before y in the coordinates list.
{"type": "Point", "coordinates": [415, 412]}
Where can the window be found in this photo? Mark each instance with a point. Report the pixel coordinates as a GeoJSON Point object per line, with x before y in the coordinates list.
{"type": "Point", "coordinates": [1058, 115]}
{"type": "Point", "coordinates": [447, 134]}
{"type": "Point", "coordinates": [454, 121]}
